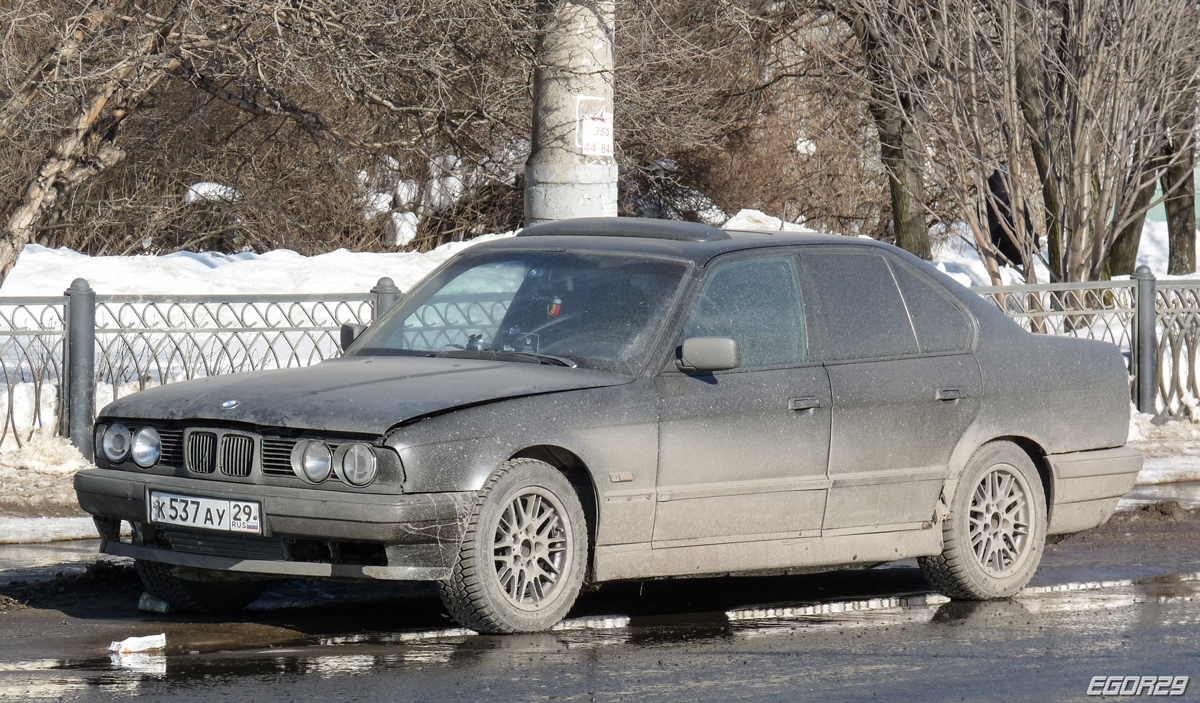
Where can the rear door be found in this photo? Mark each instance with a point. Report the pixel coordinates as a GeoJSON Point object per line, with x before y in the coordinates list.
{"type": "Point", "coordinates": [742, 453]}
{"type": "Point", "coordinates": [904, 382]}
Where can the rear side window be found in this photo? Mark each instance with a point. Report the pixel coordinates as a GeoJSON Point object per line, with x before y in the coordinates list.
{"type": "Point", "coordinates": [940, 324]}
{"type": "Point", "coordinates": [859, 306]}
{"type": "Point", "coordinates": [756, 302]}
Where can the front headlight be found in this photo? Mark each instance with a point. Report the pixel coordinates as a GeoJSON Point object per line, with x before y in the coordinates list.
{"type": "Point", "coordinates": [147, 447]}
{"type": "Point", "coordinates": [358, 465]}
{"type": "Point", "coordinates": [116, 443]}
{"type": "Point", "coordinates": [312, 461]}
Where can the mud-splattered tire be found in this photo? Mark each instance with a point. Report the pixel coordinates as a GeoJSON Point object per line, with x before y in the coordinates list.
{"type": "Point", "coordinates": [996, 531]}
{"type": "Point", "coordinates": [196, 596]}
{"type": "Point", "coordinates": [523, 555]}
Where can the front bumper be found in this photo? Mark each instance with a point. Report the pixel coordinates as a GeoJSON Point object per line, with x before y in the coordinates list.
{"type": "Point", "coordinates": [419, 533]}
{"type": "Point", "coordinates": [1088, 485]}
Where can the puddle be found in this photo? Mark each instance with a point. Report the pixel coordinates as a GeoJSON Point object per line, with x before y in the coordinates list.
{"type": "Point", "coordinates": [225, 651]}
{"type": "Point", "coordinates": [1187, 493]}
{"type": "Point", "coordinates": [22, 557]}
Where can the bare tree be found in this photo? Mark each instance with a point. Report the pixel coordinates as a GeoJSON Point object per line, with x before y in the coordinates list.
{"type": "Point", "coordinates": [328, 117]}
{"type": "Point", "coordinates": [379, 86]}
{"type": "Point", "coordinates": [1069, 102]}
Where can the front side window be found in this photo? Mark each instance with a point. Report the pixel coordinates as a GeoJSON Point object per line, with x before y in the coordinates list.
{"type": "Point", "coordinates": [756, 302]}
{"type": "Point", "coordinates": [595, 310]}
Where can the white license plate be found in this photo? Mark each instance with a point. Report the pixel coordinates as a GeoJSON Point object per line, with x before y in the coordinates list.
{"type": "Point", "coordinates": [209, 513]}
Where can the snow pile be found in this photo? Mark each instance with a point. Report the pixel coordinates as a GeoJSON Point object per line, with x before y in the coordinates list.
{"type": "Point", "coordinates": [36, 414]}
{"type": "Point", "coordinates": [1158, 470]}
{"type": "Point", "coordinates": [36, 478]}
{"type": "Point", "coordinates": [214, 192]}
{"type": "Point", "coordinates": [44, 272]}
{"type": "Point", "coordinates": [754, 219]}
{"type": "Point", "coordinates": [44, 454]}
{"type": "Point", "coordinates": [448, 181]}
{"type": "Point", "coordinates": [958, 258]}
{"type": "Point", "coordinates": [1157, 438]}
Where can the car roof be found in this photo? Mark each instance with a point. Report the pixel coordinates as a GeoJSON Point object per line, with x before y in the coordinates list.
{"type": "Point", "coordinates": [635, 235]}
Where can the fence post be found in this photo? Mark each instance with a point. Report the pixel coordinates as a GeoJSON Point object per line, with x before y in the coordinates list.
{"type": "Point", "coordinates": [1145, 356]}
{"type": "Point", "coordinates": [81, 365]}
{"type": "Point", "coordinates": [386, 295]}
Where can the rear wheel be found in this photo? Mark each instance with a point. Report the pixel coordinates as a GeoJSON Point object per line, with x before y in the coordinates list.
{"type": "Point", "coordinates": [194, 596]}
{"type": "Point", "coordinates": [524, 554]}
{"type": "Point", "coordinates": [996, 531]}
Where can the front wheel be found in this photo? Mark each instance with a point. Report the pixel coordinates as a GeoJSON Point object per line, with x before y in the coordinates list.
{"type": "Point", "coordinates": [193, 596]}
{"type": "Point", "coordinates": [524, 554]}
{"type": "Point", "coordinates": [996, 531]}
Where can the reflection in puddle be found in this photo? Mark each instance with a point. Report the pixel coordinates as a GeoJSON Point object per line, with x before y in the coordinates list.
{"type": "Point", "coordinates": [342, 664]}
{"type": "Point", "coordinates": [140, 663]}
{"type": "Point", "coordinates": [1080, 602]}
{"type": "Point", "coordinates": [1186, 493]}
{"type": "Point", "coordinates": [746, 629]}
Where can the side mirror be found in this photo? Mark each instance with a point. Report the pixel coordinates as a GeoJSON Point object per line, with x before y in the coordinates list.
{"type": "Point", "coordinates": [350, 332]}
{"type": "Point", "coordinates": [707, 354]}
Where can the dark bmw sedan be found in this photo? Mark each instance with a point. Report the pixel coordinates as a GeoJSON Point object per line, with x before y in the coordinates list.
{"type": "Point", "coordinates": [595, 400]}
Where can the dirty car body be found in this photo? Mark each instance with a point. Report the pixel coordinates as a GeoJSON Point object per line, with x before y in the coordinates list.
{"type": "Point", "coordinates": [664, 399]}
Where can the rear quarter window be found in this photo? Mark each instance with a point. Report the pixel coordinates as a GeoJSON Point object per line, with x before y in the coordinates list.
{"type": "Point", "coordinates": [941, 325]}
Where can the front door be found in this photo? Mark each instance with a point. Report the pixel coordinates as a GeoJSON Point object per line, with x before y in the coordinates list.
{"type": "Point", "coordinates": [743, 453]}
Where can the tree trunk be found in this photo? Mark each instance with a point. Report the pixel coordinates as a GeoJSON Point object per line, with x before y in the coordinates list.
{"type": "Point", "coordinates": [1179, 187]}
{"type": "Point", "coordinates": [84, 152]}
{"type": "Point", "coordinates": [64, 50]}
{"type": "Point", "coordinates": [1122, 258]}
{"type": "Point", "coordinates": [901, 157]}
{"type": "Point", "coordinates": [900, 148]}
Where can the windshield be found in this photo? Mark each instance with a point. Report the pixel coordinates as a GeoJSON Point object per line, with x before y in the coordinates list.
{"type": "Point", "coordinates": [593, 310]}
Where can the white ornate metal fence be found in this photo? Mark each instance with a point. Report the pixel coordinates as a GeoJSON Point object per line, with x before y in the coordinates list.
{"type": "Point", "coordinates": [79, 351]}
{"type": "Point", "coordinates": [32, 334]}
{"type": "Point", "coordinates": [1177, 315]}
{"type": "Point", "coordinates": [1103, 310]}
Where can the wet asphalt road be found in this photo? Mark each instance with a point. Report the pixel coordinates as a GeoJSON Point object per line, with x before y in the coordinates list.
{"type": "Point", "coordinates": [1135, 610]}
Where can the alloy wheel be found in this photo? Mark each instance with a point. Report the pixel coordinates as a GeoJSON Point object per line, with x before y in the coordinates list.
{"type": "Point", "coordinates": [999, 521]}
{"type": "Point", "coordinates": [530, 547]}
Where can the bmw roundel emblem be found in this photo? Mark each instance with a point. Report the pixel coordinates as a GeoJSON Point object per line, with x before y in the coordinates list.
{"type": "Point", "coordinates": [230, 404]}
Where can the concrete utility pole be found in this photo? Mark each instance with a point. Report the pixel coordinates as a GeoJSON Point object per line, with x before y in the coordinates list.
{"type": "Point", "coordinates": [571, 171]}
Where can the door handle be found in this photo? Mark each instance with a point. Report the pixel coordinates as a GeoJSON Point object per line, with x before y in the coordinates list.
{"type": "Point", "coordinates": [806, 403]}
{"type": "Point", "coordinates": [948, 394]}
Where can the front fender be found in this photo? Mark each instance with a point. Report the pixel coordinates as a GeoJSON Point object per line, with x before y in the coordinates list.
{"type": "Point", "coordinates": [613, 430]}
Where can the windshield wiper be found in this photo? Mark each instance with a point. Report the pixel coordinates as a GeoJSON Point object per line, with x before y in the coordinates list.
{"type": "Point", "coordinates": [500, 354]}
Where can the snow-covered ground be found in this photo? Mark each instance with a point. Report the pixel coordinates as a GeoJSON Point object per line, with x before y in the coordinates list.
{"type": "Point", "coordinates": [41, 271]}
{"type": "Point", "coordinates": [45, 272]}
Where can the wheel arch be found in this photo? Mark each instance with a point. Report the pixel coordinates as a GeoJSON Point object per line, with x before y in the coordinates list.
{"type": "Point", "coordinates": [1037, 454]}
{"type": "Point", "coordinates": [580, 477]}
{"type": "Point", "coordinates": [1032, 448]}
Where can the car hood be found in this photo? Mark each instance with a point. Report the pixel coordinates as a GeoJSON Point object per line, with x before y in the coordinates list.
{"type": "Point", "coordinates": [357, 394]}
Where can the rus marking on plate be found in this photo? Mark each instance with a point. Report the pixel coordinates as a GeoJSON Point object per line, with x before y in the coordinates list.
{"type": "Point", "coordinates": [230, 404]}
